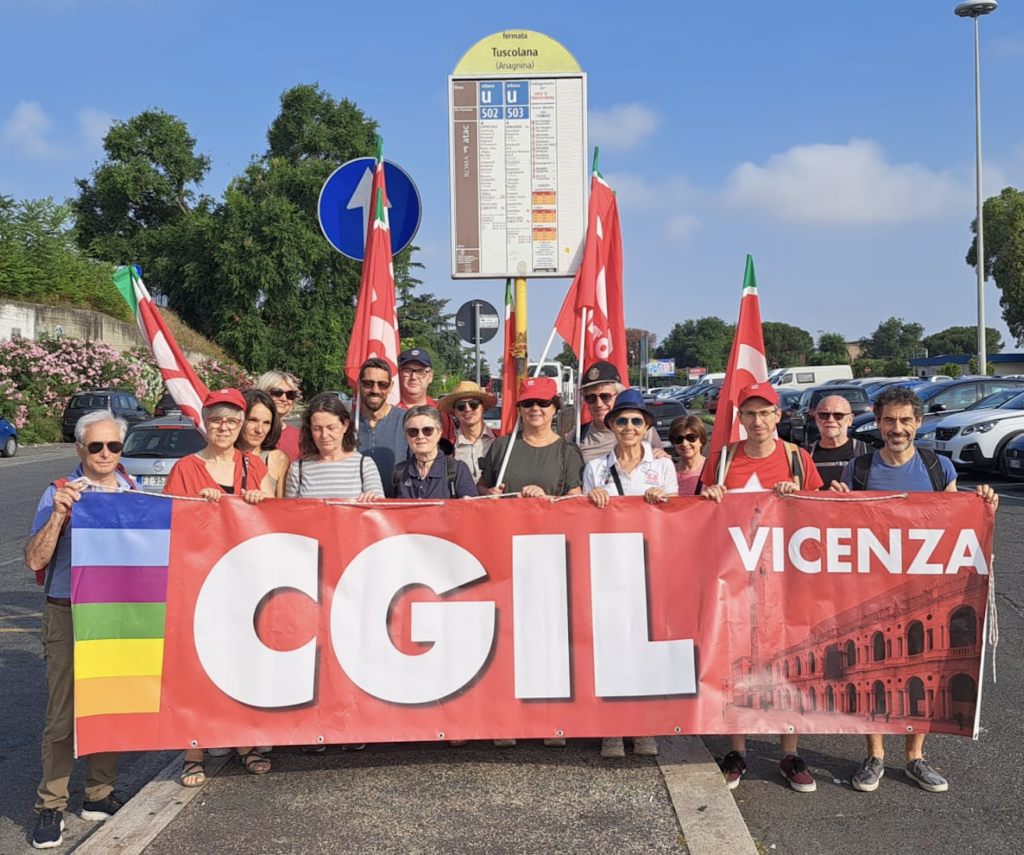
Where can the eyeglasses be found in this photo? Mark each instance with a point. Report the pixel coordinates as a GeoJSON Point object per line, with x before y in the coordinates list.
{"type": "Point", "coordinates": [290, 394]}
{"type": "Point", "coordinates": [383, 385]}
{"type": "Point", "coordinates": [625, 421]}
{"type": "Point", "coordinates": [543, 403]}
{"type": "Point", "coordinates": [606, 398]}
{"type": "Point", "coordinates": [823, 416]}
{"type": "Point", "coordinates": [462, 406]}
{"type": "Point", "coordinates": [764, 415]}
{"type": "Point", "coordinates": [684, 437]}
{"type": "Point", "coordinates": [97, 447]}
{"type": "Point", "coordinates": [415, 372]}
{"type": "Point", "coordinates": [413, 432]}
{"type": "Point", "coordinates": [231, 424]}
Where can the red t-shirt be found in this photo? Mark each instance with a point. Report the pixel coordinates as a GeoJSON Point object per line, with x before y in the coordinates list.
{"type": "Point", "coordinates": [190, 475]}
{"type": "Point", "coordinates": [763, 472]}
{"type": "Point", "coordinates": [289, 442]}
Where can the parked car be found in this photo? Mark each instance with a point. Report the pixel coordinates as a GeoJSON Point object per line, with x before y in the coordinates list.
{"type": "Point", "coordinates": [8, 438]}
{"type": "Point", "coordinates": [492, 417]}
{"type": "Point", "coordinates": [976, 437]}
{"type": "Point", "coordinates": [166, 406]}
{"type": "Point", "coordinates": [711, 399]}
{"type": "Point", "coordinates": [1013, 458]}
{"type": "Point", "coordinates": [940, 400]}
{"type": "Point", "coordinates": [804, 428]}
{"type": "Point", "coordinates": [664, 412]}
{"type": "Point", "coordinates": [788, 400]}
{"type": "Point", "coordinates": [120, 403]}
{"type": "Point", "coordinates": [152, 448]}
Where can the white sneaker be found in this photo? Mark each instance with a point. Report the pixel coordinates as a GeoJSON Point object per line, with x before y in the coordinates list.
{"type": "Point", "coordinates": [645, 745]}
{"type": "Point", "coordinates": [611, 746]}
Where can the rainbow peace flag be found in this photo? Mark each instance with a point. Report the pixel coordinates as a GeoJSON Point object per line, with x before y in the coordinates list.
{"type": "Point", "coordinates": [120, 551]}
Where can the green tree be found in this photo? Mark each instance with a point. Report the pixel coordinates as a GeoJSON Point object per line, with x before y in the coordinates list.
{"type": "Point", "coordinates": [1004, 251]}
{"type": "Point", "coordinates": [704, 342]}
{"type": "Point", "coordinates": [951, 369]}
{"type": "Point", "coordinates": [831, 350]}
{"type": "Point", "coordinates": [785, 344]}
{"type": "Point", "coordinates": [962, 341]}
{"type": "Point", "coordinates": [972, 366]}
{"type": "Point", "coordinates": [894, 338]}
{"type": "Point", "coordinates": [423, 322]}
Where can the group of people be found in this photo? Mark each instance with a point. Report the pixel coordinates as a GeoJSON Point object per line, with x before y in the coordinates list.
{"type": "Point", "coordinates": [427, 449]}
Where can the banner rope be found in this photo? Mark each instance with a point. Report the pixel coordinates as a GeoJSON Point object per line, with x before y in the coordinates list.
{"type": "Point", "coordinates": [846, 497]}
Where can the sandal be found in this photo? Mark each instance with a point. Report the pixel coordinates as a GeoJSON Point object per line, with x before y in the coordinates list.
{"type": "Point", "coordinates": [193, 769]}
{"type": "Point", "coordinates": [254, 762]}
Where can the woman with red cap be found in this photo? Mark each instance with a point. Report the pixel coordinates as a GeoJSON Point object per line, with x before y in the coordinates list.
{"type": "Point", "coordinates": [210, 473]}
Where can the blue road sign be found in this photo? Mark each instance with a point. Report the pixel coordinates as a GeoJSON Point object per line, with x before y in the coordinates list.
{"type": "Point", "coordinates": [345, 206]}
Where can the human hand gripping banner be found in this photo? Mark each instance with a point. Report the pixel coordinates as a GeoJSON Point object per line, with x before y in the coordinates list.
{"type": "Point", "coordinates": [298, 621]}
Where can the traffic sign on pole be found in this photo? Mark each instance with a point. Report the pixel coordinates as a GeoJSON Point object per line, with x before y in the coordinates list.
{"type": "Point", "coordinates": [344, 206]}
{"type": "Point", "coordinates": [465, 322]}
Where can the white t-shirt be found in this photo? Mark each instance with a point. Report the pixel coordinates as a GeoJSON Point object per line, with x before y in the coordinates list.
{"type": "Point", "coordinates": [650, 473]}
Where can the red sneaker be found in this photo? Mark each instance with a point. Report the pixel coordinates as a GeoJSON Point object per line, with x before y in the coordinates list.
{"type": "Point", "coordinates": [795, 771]}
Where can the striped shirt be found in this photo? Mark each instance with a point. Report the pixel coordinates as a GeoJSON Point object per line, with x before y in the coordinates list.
{"type": "Point", "coordinates": [333, 479]}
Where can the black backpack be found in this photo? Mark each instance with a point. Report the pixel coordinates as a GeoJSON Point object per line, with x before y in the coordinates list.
{"type": "Point", "coordinates": [862, 465]}
{"type": "Point", "coordinates": [451, 466]}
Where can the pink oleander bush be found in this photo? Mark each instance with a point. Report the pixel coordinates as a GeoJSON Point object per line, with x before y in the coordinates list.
{"type": "Point", "coordinates": [38, 376]}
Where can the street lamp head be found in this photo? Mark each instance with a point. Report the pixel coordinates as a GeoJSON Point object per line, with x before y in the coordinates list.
{"type": "Point", "coordinates": [975, 8]}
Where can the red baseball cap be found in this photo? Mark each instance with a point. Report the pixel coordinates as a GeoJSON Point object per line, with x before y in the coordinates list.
{"type": "Point", "coordinates": [765, 391]}
{"type": "Point", "coordinates": [225, 396]}
{"type": "Point", "coordinates": [538, 387]}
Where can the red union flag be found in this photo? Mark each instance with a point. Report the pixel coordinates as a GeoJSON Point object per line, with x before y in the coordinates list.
{"type": "Point", "coordinates": [593, 307]}
{"type": "Point", "coordinates": [178, 375]}
{"type": "Point", "coordinates": [375, 331]}
{"type": "Point", "coordinates": [747, 365]}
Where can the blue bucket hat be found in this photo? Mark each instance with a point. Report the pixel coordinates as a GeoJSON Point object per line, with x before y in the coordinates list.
{"type": "Point", "coordinates": [628, 399]}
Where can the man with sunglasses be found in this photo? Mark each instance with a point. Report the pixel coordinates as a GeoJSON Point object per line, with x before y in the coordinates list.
{"type": "Point", "coordinates": [601, 387]}
{"type": "Point", "coordinates": [467, 403]}
{"type": "Point", "coordinates": [99, 438]}
{"type": "Point", "coordinates": [836, 448]}
{"type": "Point", "coordinates": [381, 433]}
{"type": "Point", "coordinates": [284, 391]}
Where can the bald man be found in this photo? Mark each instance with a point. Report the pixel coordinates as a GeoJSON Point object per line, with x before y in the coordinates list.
{"type": "Point", "coordinates": [835, 449]}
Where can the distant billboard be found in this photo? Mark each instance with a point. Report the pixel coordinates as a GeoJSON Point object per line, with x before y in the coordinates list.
{"type": "Point", "coordinates": [661, 368]}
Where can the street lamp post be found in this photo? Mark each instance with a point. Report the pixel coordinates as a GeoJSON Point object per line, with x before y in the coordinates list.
{"type": "Point", "coordinates": [975, 9]}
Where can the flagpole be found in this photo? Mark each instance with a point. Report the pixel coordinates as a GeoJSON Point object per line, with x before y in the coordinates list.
{"type": "Point", "coordinates": [521, 369]}
{"type": "Point", "coordinates": [579, 373]}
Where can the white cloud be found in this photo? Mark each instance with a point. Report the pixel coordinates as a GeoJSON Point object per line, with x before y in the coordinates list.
{"type": "Point", "coordinates": [681, 226]}
{"type": "Point", "coordinates": [29, 130]}
{"type": "Point", "coordinates": [840, 184]}
{"type": "Point", "coordinates": [622, 127]}
{"type": "Point", "coordinates": [635, 192]}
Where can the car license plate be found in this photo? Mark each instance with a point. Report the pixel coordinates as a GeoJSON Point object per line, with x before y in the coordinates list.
{"type": "Point", "coordinates": [1014, 463]}
{"type": "Point", "coordinates": [940, 446]}
{"type": "Point", "coordinates": [152, 480]}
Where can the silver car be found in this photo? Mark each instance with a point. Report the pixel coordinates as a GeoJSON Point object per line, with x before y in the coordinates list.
{"type": "Point", "coordinates": [152, 448]}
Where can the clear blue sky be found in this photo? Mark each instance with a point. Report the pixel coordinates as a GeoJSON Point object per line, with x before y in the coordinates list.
{"type": "Point", "coordinates": [832, 141]}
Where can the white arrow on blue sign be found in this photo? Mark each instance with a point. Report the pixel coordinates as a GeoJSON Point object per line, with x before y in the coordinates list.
{"type": "Point", "coordinates": [345, 206]}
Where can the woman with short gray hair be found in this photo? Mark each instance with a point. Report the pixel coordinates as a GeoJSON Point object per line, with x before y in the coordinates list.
{"type": "Point", "coordinates": [428, 473]}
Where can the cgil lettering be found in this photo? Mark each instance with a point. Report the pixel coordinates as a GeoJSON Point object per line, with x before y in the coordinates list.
{"type": "Point", "coordinates": [812, 550]}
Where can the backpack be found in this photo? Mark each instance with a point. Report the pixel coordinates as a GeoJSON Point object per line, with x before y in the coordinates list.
{"type": "Point", "coordinates": [862, 465]}
{"type": "Point", "coordinates": [451, 467]}
{"type": "Point", "coordinates": [796, 462]}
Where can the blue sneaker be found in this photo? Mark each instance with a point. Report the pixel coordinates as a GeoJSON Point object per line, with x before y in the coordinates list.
{"type": "Point", "coordinates": [101, 810]}
{"type": "Point", "coordinates": [49, 831]}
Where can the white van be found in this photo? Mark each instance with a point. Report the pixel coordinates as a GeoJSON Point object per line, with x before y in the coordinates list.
{"type": "Point", "coordinates": [805, 376]}
{"type": "Point", "coordinates": [710, 379]}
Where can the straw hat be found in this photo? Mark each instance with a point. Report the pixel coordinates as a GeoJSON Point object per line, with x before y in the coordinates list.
{"type": "Point", "coordinates": [465, 391]}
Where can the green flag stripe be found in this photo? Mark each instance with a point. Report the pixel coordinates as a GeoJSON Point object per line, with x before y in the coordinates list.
{"type": "Point", "coordinates": [94, 621]}
{"type": "Point", "coordinates": [123, 281]}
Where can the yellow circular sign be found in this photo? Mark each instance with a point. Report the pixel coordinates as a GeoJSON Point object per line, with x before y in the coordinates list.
{"type": "Point", "coordinates": [517, 52]}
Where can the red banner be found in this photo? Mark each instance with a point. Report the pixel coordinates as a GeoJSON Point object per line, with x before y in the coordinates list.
{"type": "Point", "coordinates": [298, 620]}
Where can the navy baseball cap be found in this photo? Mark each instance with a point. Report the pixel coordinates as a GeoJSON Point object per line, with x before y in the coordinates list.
{"type": "Point", "coordinates": [415, 354]}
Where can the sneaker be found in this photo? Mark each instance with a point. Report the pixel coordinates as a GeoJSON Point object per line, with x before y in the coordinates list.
{"type": "Point", "coordinates": [645, 745]}
{"type": "Point", "coordinates": [733, 765]}
{"type": "Point", "coordinates": [220, 752]}
{"type": "Point", "coordinates": [867, 777]}
{"type": "Point", "coordinates": [353, 746]}
{"type": "Point", "coordinates": [794, 770]}
{"type": "Point", "coordinates": [49, 831]}
{"type": "Point", "coordinates": [101, 810]}
{"type": "Point", "coordinates": [926, 777]}
{"type": "Point", "coordinates": [555, 742]}
{"type": "Point", "coordinates": [318, 748]}
{"type": "Point", "coordinates": [504, 743]}
{"type": "Point", "coordinates": [611, 746]}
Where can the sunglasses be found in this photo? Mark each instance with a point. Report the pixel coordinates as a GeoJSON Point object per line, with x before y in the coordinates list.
{"type": "Point", "coordinates": [290, 394]}
{"type": "Point", "coordinates": [414, 432]}
{"type": "Point", "coordinates": [462, 406]}
{"type": "Point", "coordinates": [685, 437]}
{"type": "Point", "coordinates": [823, 416]}
{"type": "Point", "coordinates": [543, 403]}
{"type": "Point", "coordinates": [97, 447]}
{"type": "Point", "coordinates": [606, 398]}
{"type": "Point", "coordinates": [383, 385]}
{"type": "Point", "coordinates": [625, 421]}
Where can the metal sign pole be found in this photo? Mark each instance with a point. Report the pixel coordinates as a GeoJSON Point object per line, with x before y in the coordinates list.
{"type": "Point", "coordinates": [476, 337]}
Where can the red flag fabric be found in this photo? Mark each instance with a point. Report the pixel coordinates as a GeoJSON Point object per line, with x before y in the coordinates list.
{"type": "Point", "coordinates": [178, 375]}
{"type": "Point", "coordinates": [747, 364]}
{"type": "Point", "coordinates": [375, 331]}
{"type": "Point", "coordinates": [595, 298]}
{"type": "Point", "coordinates": [509, 387]}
